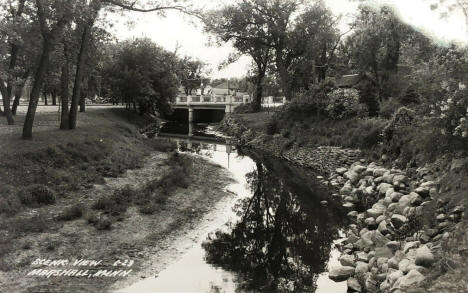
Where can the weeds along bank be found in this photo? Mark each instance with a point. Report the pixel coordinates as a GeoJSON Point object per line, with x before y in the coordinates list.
{"type": "Point", "coordinates": [404, 187]}
{"type": "Point", "coordinates": [58, 163]}
{"type": "Point", "coordinates": [102, 192]}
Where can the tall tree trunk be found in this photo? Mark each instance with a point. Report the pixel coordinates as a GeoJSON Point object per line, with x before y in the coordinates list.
{"type": "Point", "coordinates": [83, 96]}
{"type": "Point", "coordinates": [64, 93]}
{"type": "Point", "coordinates": [6, 102]}
{"type": "Point", "coordinates": [45, 98]}
{"type": "Point", "coordinates": [257, 103]}
{"type": "Point", "coordinates": [78, 77]}
{"type": "Point", "coordinates": [36, 89]}
{"type": "Point", "coordinates": [54, 98]}
{"type": "Point", "coordinates": [16, 101]}
{"type": "Point", "coordinates": [6, 92]}
{"type": "Point", "coordinates": [19, 92]}
{"type": "Point", "coordinates": [284, 76]}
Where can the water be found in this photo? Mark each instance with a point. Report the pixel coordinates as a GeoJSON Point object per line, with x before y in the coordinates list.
{"type": "Point", "coordinates": [274, 236]}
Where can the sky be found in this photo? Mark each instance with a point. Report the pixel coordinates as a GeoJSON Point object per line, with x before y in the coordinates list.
{"type": "Point", "coordinates": [185, 34]}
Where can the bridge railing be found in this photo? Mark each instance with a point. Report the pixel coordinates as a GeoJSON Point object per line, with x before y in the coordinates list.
{"type": "Point", "coordinates": [226, 99]}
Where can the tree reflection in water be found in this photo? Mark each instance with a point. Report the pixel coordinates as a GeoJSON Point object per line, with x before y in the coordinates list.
{"type": "Point", "coordinates": [283, 239]}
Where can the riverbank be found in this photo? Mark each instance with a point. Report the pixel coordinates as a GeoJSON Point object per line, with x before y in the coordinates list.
{"type": "Point", "coordinates": [409, 224]}
{"type": "Point", "coordinates": [103, 193]}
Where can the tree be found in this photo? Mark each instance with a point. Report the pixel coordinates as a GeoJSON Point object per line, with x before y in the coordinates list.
{"type": "Point", "coordinates": [143, 75]}
{"type": "Point", "coordinates": [6, 86]}
{"type": "Point", "coordinates": [245, 28]}
{"type": "Point", "coordinates": [376, 45]}
{"type": "Point", "coordinates": [191, 74]}
{"type": "Point", "coordinates": [52, 21]}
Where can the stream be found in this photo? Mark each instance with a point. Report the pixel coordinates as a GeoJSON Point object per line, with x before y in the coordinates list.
{"type": "Point", "coordinates": [273, 235]}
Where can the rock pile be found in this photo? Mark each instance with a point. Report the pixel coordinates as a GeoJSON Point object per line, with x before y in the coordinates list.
{"type": "Point", "coordinates": [386, 248]}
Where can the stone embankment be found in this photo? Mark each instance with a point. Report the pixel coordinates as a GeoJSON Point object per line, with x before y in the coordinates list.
{"type": "Point", "coordinates": [387, 248]}
{"type": "Point", "coordinates": [323, 159]}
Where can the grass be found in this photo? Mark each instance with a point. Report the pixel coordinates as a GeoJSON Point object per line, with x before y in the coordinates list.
{"type": "Point", "coordinates": [315, 131]}
{"type": "Point", "coordinates": [148, 198]}
{"type": "Point", "coordinates": [56, 163]}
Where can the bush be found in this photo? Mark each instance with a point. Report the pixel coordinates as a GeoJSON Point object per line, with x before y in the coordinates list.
{"type": "Point", "coordinates": [104, 223]}
{"type": "Point", "coordinates": [272, 126]}
{"type": "Point", "coordinates": [148, 209]}
{"type": "Point", "coordinates": [9, 202]}
{"type": "Point", "coordinates": [243, 109]}
{"type": "Point", "coordinates": [344, 103]}
{"type": "Point", "coordinates": [37, 194]}
{"type": "Point", "coordinates": [72, 213]}
{"type": "Point", "coordinates": [388, 107]}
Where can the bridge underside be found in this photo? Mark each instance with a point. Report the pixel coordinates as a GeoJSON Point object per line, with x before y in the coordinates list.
{"type": "Point", "coordinates": [200, 115]}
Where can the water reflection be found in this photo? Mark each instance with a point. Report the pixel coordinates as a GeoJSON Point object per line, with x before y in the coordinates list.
{"type": "Point", "coordinates": [283, 239]}
{"type": "Point", "coordinates": [278, 238]}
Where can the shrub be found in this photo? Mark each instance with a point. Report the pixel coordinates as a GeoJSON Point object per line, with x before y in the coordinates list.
{"type": "Point", "coordinates": [243, 109]}
{"type": "Point", "coordinates": [148, 209]}
{"type": "Point", "coordinates": [272, 126]}
{"type": "Point", "coordinates": [72, 213]}
{"type": "Point", "coordinates": [344, 103]}
{"type": "Point", "coordinates": [9, 201]}
{"type": "Point", "coordinates": [104, 223]}
{"type": "Point", "coordinates": [388, 107]}
{"type": "Point", "coordinates": [92, 218]}
{"type": "Point", "coordinates": [35, 224]}
{"type": "Point", "coordinates": [37, 194]}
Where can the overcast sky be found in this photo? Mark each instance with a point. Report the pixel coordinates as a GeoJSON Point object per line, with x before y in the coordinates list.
{"type": "Point", "coordinates": [186, 34]}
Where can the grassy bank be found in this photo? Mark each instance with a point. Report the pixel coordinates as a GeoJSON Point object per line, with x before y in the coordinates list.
{"type": "Point", "coordinates": [102, 192]}
{"type": "Point", "coordinates": [57, 162]}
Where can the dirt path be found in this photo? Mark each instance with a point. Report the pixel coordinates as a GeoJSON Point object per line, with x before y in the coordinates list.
{"type": "Point", "coordinates": [151, 242]}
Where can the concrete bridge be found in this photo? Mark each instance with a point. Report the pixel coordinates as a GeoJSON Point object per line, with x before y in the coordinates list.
{"type": "Point", "coordinates": [223, 103]}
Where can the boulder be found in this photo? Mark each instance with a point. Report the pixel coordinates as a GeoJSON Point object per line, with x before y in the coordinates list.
{"type": "Point", "coordinates": [370, 222]}
{"type": "Point", "coordinates": [393, 245]}
{"type": "Point", "coordinates": [403, 265]}
{"type": "Point", "coordinates": [346, 189]}
{"type": "Point", "coordinates": [382, 228]}
{"type": "Point", "coordinates": [383, 252]}
{"type": "Point", "coordinates": [391, 207]}
{"type": "Point", "coordinates": [348, 205]}
{"type": "Point", "coordinates": [383, 187]}
{"type": "Point", "coordinates": [381, 261]}
{"type": "Point", "coordinates": [353, 285]}
{"type": "Point", "coordinates": [415, 199]}
{"type": "Point", "coordinates": [361, 268]}
{"type": "Point", "coordinates": [379, 239]}
{"type": "Point", "coordinates": [398, 220]}
{"type": "Point", "coordinates": [358, 169]}
{"type": "Point", "coordinates": [400, 179]}
{"type": "Point", "coordinates": [352, 176]}
{"type": "Point", "coordinates": [393, 277]}
{"type": "Point", "coordinates": [347, 260]}
{"type": "Point", "coordinates": [395, 196]}
{"type": "Point", "coordinates": [376, 210]}
{"type": "Point", "coordinates": [352, 214]}
{"type": "Point", "coordinates": [410, 245]}
{"type": "Point", "coordinates": [340, 273]}
{"type": "Point", "coordinates": [403, 202]}
{"type": "Point", "coordinates": [341, 170]}
{"type": "Point", "coordinates": [379, 172]}
{"type": "Point", "coordinates": [411, 279]}
{"type": "Point", "coordinates": [380, 219]}
{"type": "Point", "coordinates": [422, 191]}
{"type": "Point", "coordinates": [388, 178]}
{"type": "Point", "coordinates": [424, 256]}
{"type": "Point", "coordinates": [352, 238]}
{"type": "Point", "coordinates": [362, 256]}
